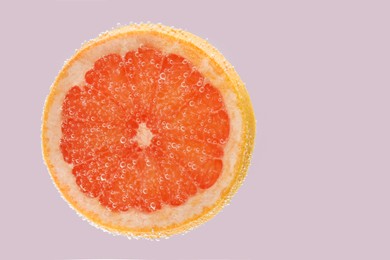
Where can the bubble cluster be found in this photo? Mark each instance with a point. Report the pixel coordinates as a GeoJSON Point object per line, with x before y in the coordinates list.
{"type": "Point", "coordinates": [147, 130]}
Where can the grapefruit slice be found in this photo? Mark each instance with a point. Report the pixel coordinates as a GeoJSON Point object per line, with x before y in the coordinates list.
{"type": "Point", "coordinates": [147, 131]}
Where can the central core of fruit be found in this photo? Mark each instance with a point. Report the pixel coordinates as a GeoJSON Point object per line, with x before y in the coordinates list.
{"type": "Point", "coordinates": [143, 136]}
{"type": "Point", "coordinates": [146, 130]}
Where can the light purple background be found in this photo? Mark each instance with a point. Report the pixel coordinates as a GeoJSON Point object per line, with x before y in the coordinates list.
{"type": "Point", "coordinates": [318, 73]}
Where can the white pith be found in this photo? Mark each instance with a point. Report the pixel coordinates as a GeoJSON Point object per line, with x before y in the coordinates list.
{"type": "Point", "coordinates": [134, 219]}
{"type": "Point", "coordinates": [143, 136]}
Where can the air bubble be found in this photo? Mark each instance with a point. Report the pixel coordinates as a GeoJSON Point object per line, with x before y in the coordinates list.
{"type": "Point", "coordinates": [122, 164]}
{"type": "Point", "coordinates": [192, 103]}
{"type": "Point", "coordinates": [123, 140]}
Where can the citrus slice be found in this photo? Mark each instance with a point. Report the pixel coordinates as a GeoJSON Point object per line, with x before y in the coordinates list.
{"type": "Point", "coordinates": [147, 131]}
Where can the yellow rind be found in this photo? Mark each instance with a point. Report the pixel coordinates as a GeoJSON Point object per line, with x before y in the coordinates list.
{"type": "Point", "coordinates": [244, 104]}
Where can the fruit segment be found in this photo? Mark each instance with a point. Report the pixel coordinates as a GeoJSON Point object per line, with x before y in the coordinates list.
{"type": "Point", "coordinates": [146, 130]}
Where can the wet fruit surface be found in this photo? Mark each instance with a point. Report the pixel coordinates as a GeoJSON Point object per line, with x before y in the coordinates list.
{"type": "Point", "coordinates": [147, 130]}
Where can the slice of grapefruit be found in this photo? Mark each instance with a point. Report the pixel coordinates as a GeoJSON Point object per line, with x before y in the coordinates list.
{"type": "Point", "coordinates": [147, 131]}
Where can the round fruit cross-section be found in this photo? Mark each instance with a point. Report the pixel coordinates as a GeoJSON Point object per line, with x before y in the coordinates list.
{"type": "Point", "coordinates": [147, 131]}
